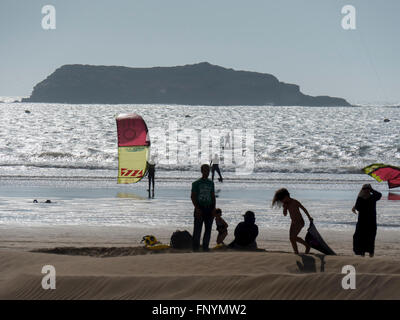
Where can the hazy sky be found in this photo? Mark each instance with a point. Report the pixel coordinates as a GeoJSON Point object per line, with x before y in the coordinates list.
{"type": "Point", "coordinates": [298, 41]}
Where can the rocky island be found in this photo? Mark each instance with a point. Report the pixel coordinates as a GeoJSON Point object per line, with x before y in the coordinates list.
{"type": "Point", "coordinates": [196, 84]}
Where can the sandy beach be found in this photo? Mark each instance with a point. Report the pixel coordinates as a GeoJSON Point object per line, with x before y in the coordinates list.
{"type": "Point", "coordinates": [110, 263]}
{"type": "Point", "coordinates": [91, 230]}
{"type": "Point", "coordinates": [116, 116]}
{"type": "Point", "coordinates": [215, 275]}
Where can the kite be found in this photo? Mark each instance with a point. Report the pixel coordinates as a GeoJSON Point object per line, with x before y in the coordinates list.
{"type": "Point", "coordinates": [133, 148]}
{"type": "Point", "coordinates": [383, 172]}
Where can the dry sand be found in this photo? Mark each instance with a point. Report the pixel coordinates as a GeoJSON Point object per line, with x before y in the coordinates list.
{"type": "Point", "coordinates": [118, 269]}
{"type": "Point", "coordinates": [213, 275]}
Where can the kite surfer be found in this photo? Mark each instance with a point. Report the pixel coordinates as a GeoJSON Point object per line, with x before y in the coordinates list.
{"type": "Point", "coordinates": [151, 174]}
{"type": "Point", "coordinates": [215, 167]}
{"type": "Point", "coordinates": [203, 199]}
{"type": "Point", "coordinates": [364, 236]}
{"type": "Point", "coordinates": [282, 197]}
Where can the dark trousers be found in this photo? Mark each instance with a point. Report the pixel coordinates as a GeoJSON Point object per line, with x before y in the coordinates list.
{"type": "Point", "coordinates": [208, 220]}
{"type": "Point", "coordinates": [151, 181]}
{"type": "Point", "coordinates": [215, 167]}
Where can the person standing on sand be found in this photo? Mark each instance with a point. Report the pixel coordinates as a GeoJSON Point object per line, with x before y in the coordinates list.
{"type": "Point", "coordinates": [203, 199]}
{"type": "Point", "coordinates": [364, 236]}
{"type": "Point", "coordinates": [282, 197]}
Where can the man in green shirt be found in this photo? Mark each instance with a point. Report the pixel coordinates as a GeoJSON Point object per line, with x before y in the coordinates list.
{"type": "Point", "coordinates": [203, 199]}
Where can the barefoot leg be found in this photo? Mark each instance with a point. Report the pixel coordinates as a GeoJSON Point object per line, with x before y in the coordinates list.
{"type": "Point", "coordinates": [295, 229]}
{"type": "Point", "coordinates": [293, 232]}
{"type": "Point", "coordinates": [221, 237]}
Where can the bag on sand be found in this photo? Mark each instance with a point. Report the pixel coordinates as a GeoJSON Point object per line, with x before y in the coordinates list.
{"type": "Point", "coordinates": [181, 240]}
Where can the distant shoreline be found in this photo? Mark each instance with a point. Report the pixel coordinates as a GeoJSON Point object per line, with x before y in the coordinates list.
{"type": "Point", "coordinates": [377, 105]}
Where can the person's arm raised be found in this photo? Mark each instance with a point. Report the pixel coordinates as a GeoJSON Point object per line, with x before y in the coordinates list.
{"type": "Point", "coordinates": [376, 195]}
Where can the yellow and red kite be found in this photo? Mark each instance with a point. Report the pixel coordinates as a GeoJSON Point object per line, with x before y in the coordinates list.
{"type": "Point", "coordinates": [383, 172]}
{"type": "Point", "coordinates": [133, 148]}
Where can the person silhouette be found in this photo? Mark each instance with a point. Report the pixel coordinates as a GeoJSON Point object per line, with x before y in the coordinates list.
{"type": "Point", "coordinates": [282, 198]}
{"type": "Point", "coordinates": [246, 233]}
{"type": "Point", "coordinates": [203, 199]}
{"type": "Point", "coordinates": [227, 140]}
{"type": "Point", "coordinates": [222, 226]}
{"type": "Point", "coordinates": [364, 236]}
{"type": "Point", "coordinates": [151, 174]}
{"type": "Point", "coordinates": [215, 167]}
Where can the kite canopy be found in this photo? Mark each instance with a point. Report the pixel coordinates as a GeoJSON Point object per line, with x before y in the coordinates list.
{"type": "Point", "coordinates": [133, 148]}
{"type": "Point", "coordinates": [383, 172]}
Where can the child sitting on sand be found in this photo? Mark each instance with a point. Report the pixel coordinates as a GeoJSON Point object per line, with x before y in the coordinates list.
{"type": "Point", "coordinates": [222, 226]}
{"type": "Point", "coordinates": [282, 197]}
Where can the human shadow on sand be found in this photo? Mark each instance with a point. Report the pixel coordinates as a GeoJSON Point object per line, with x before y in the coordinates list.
{"type": "Point", "coordinates": [308, 263]}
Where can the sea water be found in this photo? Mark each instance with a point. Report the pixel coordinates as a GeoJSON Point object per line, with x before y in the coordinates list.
{"type": "Point", "coordinates": [68, 153]}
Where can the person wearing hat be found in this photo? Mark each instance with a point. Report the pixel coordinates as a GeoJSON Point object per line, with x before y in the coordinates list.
{"type": "Point", "coordinates": [246, 233]}
{"type": "Point", "coordinates": [364, 236]}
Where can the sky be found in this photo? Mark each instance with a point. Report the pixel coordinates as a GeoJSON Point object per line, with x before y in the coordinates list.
{"type": "Point", "coordinates": [298, 41]}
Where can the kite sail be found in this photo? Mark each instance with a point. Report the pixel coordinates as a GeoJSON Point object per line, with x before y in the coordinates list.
{"type": "Point", "coordinates": [314, 240]}
{"type": "Point", "coordinates": [133, 148]}
{"type": "Point", "coordinates": [383, 172]}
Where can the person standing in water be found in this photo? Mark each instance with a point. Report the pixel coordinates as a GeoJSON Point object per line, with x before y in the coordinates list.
{"type": "Point", "coordinates": [215, 167]}
{"type": "Point", "coordinates": [151, 174]}
{"type": "Point", "coordinates": [203, 199]}
{"type": "Point", "coordinates": [364, 236]}
{"type": "Point", "coordinates": [282, 198]}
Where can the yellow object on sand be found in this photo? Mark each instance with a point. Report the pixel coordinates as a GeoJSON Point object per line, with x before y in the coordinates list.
{"type": "Point", "coordinates": [158, 246]}
{"type": "Point", "coordinates": [152, 243]}
{"type": "Point", "coordinates": [219, 246]}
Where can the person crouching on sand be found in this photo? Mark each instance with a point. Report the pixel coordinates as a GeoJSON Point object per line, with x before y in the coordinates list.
{"type": "Point", "coordinates": [282, 198]}
{"type": "Point", "coordinates": [222, 226]}
{"type": "Point", "coordinates": [246, 233]}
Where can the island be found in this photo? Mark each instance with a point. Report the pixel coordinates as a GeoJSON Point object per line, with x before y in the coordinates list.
{"type": "Point", "coordinates": [193, 84]}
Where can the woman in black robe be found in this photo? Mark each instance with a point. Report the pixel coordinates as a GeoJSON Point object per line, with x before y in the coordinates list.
{"type": "Point", "coordinates": [364, 237]}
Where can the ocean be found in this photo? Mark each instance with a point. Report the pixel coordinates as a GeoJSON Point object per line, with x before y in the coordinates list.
{"type": "Point", "coordinates": [68, 153]}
